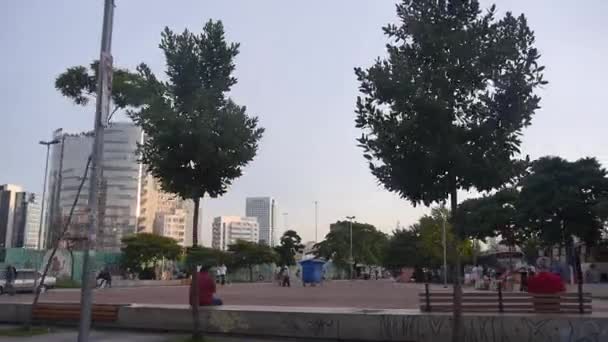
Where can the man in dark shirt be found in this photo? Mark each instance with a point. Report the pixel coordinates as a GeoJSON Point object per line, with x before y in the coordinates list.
{"type": "Point", "coordinates": [206, 287]}
{"type": "Point", "coordinates": [11, 275]}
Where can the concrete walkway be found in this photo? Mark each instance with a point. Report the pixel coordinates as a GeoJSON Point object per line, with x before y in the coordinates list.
{"type": "Point", "coordinates": [63, 335]}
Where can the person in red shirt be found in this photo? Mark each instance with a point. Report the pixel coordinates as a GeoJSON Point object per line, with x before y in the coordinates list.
{"type": "Point", "coordinates": [206, 286]}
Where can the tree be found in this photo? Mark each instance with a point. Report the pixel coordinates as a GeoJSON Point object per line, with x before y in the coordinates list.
{"type": "Point", "coordinates": [402, 250]}
{"type": "Point", "coordinates": [197, 139]}
{"type": "Point", "coordinates": [445, 110]}
{"type": "Point", "coordinates": [144, 251]}
{"type": "Point", "coordinates": [369, 245]}
{"type": "Point", "coordinates": [248, 254]}
{"type": "Point", "coordinates": [291, 243]}
{"type": "Point", "coordinates": [561, 200]}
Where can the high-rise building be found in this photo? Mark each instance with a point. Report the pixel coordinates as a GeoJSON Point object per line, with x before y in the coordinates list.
{"type": "Point", "coordinates": [160, 213]}
{"type": "Point", "coordinates": [27, 221]}
{"type": "Point", "coordinates": [228, 229]}
{"type": "Point", "coordinates": [119, 187]}
{"type": "Point", "coordinates": [19, 217]}
{"type": "Point", "coordinates": [265, 210]}
{"type": "Point", "coordinates": [8, 205]}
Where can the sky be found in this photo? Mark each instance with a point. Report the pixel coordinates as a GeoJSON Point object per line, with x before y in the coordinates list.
{"type": "Point", "coordinates": [295, 73]}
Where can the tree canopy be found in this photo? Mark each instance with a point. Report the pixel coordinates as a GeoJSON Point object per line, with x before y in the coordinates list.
{"type": "Point", "coordinates": [560, 199]}
{"type": "Point", "coordinates": [492, 216]}
{"type": "Point", "coordinates": [368, 244]}
{"type": "Point", "coordinates": [197, 139]}
{"type": "Point", "coordinates": [145, 250]}
{"type": "Point", "coordinates": [445, 109]}
{"type": "Point", "coordinates": [79, 84]}
{"type": "Point", "coordinates": [291, 243]}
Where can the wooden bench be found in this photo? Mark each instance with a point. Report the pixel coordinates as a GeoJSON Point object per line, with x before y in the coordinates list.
{"type": "Point", "coordinates": [507, 302]}
{"type": "Point", "coordinates": [62, 312]}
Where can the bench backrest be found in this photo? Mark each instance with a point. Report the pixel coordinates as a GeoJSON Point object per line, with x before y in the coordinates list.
{"type": "Point", "coordinates": [71, 312]}
{"type": "Point", "coordinates": [508, 302]}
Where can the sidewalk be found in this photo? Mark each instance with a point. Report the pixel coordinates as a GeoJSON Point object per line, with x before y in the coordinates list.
{"type": "Point", "coordinates": [66, 335]}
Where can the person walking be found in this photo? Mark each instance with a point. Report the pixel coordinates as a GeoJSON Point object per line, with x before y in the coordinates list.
{"type": "Point", "coordinates": [11, 275]}
{"type": "Point", "coordinates": [223, 271]}
{"type": "Point", "coordinates": [286, 277]}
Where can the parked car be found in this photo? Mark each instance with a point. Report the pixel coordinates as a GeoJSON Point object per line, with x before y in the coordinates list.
{"type": "Point", "coordinates": [26, 281]}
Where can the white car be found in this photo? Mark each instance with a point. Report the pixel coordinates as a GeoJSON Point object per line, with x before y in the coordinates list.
{"type": "Point", "coordinates": [26, 281]}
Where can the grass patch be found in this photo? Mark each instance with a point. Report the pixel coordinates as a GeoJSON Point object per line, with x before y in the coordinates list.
{"type": "Point", "coordinates": [23, 332]}
{"type": "Point", "coordinates": [67, 283]}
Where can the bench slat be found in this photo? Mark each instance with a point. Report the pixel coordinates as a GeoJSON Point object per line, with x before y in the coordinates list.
{"type": "Point", "coordinates": [505, 300]}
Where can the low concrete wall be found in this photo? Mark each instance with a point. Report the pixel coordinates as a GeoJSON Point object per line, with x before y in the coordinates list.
{"type": "Point", "coordinates": [352, 324]}
{"type": "Point", "coordinates": [14, 313]}
{"type": "Point", "coordinates": [368, 325]}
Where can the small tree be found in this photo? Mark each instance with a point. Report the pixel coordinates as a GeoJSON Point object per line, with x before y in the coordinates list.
{"type": "Point", "coordinates": [249, 254]}
{"type": "Point", "coordinates": [197, 139]}
{"type": "Point", "coordinates": [445, 110]}
{"type": "Point", "coordinates": [368, 247]}
{"type": "Point", "coordinates": [144, 251]}
{"type": "Point", "coordinates": [403, 250]}
{"type": "Point", "coordinates": [291, 243]}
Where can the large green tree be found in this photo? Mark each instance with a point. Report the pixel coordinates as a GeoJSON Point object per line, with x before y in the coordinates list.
{"type": "Point", "coordinates": [368, 246]}
{"type": "Point", "coordinates": [144, 251]}
{"type": "Point", "coordinates": [197, 140]}
{"type": "Point", "coordinates": [291, 243]}
{"type": "Point", "coordinates": [248, 254]}
{"type": "Point", "coordinates": [445, 109]}
{"type": "Point", "coordinates": [560, 200]}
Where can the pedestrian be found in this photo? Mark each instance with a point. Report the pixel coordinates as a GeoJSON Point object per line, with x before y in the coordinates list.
{"type": "Point", "coordinates": [223, 271]}
{"type": "Point", "coordinates": [523, 280]}
{"type": "Point", "coordinates": [11, 275]}
{"type": "Point", "coordinates": [218, 274]}
{"type": "Point", "coordinates": [376, 272]}
{"type": "Point", "coordinates": [286, 280]}
{"type": "Point", "coordinates": [207, 289]}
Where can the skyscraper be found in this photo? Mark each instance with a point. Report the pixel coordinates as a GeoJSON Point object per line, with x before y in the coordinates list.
{"type": "Point", "coordinates": [8, 205]}
{"type": "Point", "coordinates": [119, 190]}
{"type": "Point", "coordinates": [19, 217]}
{"type": "Point", "coordinates": [265, 210]}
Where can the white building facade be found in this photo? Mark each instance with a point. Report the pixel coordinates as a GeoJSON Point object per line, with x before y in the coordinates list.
{"type": "Point", "coordinates": [227, 230]}
{"type": "Point", "coordinates": [265, 210]}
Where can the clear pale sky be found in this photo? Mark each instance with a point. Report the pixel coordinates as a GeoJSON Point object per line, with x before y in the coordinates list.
{"type": "Point", "coordinates": [295, 72]}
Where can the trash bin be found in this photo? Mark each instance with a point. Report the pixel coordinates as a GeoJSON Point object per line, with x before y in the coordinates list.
{"type": "Point", "coordinates": [312, 271]}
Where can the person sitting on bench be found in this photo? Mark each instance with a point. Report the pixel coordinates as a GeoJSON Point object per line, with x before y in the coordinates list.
{"type": "Point", "coordinates": [206, 287]}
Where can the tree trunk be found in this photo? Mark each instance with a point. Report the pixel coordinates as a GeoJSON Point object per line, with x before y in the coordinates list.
{"type": "Point", "coordinates": [194, 290]}
{"type": "Point", "coordinates": [250, 274]}
{"type": "Point", "coordinates": [457, 332]}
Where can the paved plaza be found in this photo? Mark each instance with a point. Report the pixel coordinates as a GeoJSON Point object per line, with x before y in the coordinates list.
{"type": "Point", "coordinates": [374, 294]}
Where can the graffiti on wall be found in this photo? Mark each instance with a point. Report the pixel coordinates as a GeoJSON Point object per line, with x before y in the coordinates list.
{"type": "Point", "coordinates": [61, 264]}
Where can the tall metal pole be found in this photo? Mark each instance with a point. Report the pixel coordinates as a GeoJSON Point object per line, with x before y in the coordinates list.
{"type": "Point", "coordinates": [352, 261]}
{"type": "Point", "coordinates": [104, 84]}
{"type": "Point", "coordinates": [445, 250]}
{"type": "Point", "coordinates": [46, 170]}
{"type": "Point", "coordinates": [316, 220]}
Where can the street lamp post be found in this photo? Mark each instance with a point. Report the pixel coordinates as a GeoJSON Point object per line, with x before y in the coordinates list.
{"type": "Point", "coordinates": [352, 264]}
{"type": "Point", "coordinates": [46, 170]}
{"type": "Point", "coordinates": [316, 220]}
